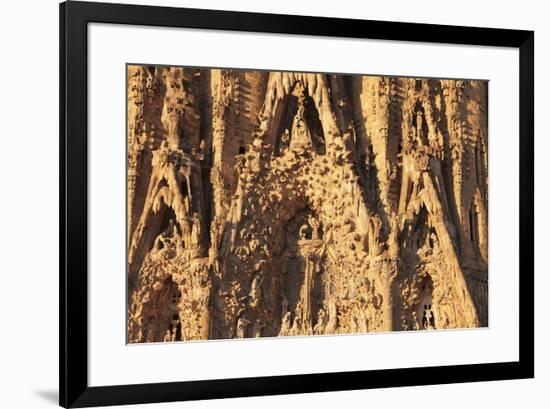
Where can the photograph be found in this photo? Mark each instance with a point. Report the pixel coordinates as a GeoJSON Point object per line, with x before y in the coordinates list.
{"type": "Point", "coordinates": [266, 205]}
{"type": "Point", "coordinates": [274, 204]}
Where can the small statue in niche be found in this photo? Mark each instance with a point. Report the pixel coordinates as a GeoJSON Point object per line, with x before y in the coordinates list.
{"type": "Point", "coordinates": [425, 317]}
{"type": "Point", "coordinates": [304, 231]}
{"type": "Point", "coordinates": [428, 318]}
{"type": "Point", "coordinates": [419, 127]}
{"type": "Point", "coordinates": [196, 231]}
{"type": "Point", "coordinates": [415, 326]}
{"type": "Point", "coordinates": [165, 240]}
{"type": "Point", "coordinates": [301, 136]}
{"type": "Point", "coordinates": [285, 142]}
{"type": "Point", "coordinates": [286, 323]}
{"type": "Point", "coordinates": [255, 294]}
{"type": "Point", "coordinates": [186, 204]}
{"type": "Point", "coordinates": [257, 328]}
{"type": "Point", "coordinates": [322, 319]}
{"type": "Point", "coordinates": [242, 325]}
{"type": "Point", "coordinates": [170, 229]}
{"type": "Point", "coordinates": [315, 228]}
{"type": "Point", "coordinates": [297, 324]}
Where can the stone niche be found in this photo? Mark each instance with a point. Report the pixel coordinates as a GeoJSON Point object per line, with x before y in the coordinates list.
{"type": "Point", "coordinates": [265, 204]}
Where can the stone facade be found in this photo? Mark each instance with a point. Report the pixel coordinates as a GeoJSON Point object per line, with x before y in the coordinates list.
{"type": "Point", "coordinates": [265, 204]}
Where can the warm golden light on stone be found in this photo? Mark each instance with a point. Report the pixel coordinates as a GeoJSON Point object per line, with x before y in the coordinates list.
{"type": "Point", "coordinates": [265, 204]}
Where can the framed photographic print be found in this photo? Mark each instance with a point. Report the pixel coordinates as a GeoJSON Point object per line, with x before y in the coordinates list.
{"type": "Point", "coordinates": [257, 204]}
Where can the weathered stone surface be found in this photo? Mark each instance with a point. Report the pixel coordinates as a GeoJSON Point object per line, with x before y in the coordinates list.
{"type": "Point", "coordinates": [266, 204]}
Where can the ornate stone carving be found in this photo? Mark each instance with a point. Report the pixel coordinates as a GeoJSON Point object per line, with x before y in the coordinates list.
{"type": "Point", "coordinates": [266, 204]}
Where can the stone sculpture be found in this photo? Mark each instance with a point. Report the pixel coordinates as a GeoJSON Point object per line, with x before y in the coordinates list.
{"type": "Point", "coordinates": [264, 204]}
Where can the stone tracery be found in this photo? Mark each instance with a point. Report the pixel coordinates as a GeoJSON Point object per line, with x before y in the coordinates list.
{"type": "Point", "coordinates": [277, 203]}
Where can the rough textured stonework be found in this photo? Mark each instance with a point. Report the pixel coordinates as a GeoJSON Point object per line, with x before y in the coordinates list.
{"type": "Point", "coordinates": [265, 204]}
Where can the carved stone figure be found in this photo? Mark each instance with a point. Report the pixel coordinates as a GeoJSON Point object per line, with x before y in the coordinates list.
{"type": "Point", "coordinates": [255, 291]}
{"type": "Point", "coordinates": [257, 328]}
{"type": "Point", "coordinates": [322, 319]}
{"type": "Point", "coordinates": [242, 326]}
{"type": "Point", "coordinates": [266, 204]}
{"type": "Point", "coordinates": [196, 231]}
{"type": "Point", "coordinates": [285, 141]}
{"type": "Point", "coordinates": [300, 139]}
{"type": "Point", "coordinates": [304, 231]}
{"type": "Point", "coordinates": [315, 227]}
{"type": "Point", "coordinates": [286, 324]}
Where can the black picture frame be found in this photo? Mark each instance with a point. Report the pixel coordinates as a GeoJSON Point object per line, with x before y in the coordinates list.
{"type": "Point", "coordinates": [73, 350]}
